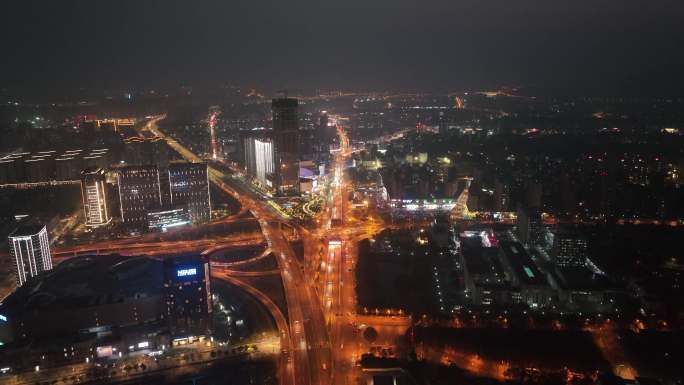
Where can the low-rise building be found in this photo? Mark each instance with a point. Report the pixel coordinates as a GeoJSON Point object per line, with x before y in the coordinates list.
{"type": "Point", "coordinates": [483, 274]}
{"type": "Point", "coordinates": [524, 274]}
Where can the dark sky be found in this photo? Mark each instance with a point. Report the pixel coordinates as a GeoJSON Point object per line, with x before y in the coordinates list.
{"type": "Point", "coordinates": [628, 45]}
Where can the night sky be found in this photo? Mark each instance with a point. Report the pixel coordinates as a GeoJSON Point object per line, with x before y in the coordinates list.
{"type": "Point", "coordinates": [600, 45]}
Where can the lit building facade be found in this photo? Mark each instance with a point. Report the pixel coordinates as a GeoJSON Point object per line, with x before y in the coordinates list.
{"type": "Point", "coordinates": [30, 249]}
{"type": "Point", "coordinates": [286, 145]}
{"type": "Point", "coordinates": [68, 167]}
{"type": "Point", "coordinates": [189, 186]}
{"type": "Point", "coordinates": [50, 166]}
{"type": "Point", "coordinates": [139, 192]}
{"type": "Point", "coordinates": [264, 165]}
{"type": "Point", "coordinates": [248, 155]}
{"type": "Point", "coordinates": [94, 196]}
{"type": "Point", "coordinates": [187, 294]}
{"type": "Point", "coordinates": [529, 225]}
{"type": "Point", "coordinates": [143, 151]}
{"type": "Point", "coordinates": [569, 249]}
{"type": "Point", "coordinates": [261, 165]}
{"type": "Point", "coordinates": [165, 218]}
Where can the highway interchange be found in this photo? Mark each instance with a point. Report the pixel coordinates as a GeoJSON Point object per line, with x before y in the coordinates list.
{"type": "Point", "coordinates": [320, 342]}
{"type": "Point", "coordinates": [305, 346]}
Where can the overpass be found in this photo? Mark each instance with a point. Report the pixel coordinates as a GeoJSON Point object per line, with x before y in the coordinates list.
{"type": "Point", "coordinates": [307, 343]}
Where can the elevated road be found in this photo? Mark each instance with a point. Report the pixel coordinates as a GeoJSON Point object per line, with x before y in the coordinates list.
{"type": "Point", "coordinates": [308, 344]}
{"type": "Point", "coordinates": [286, 373]}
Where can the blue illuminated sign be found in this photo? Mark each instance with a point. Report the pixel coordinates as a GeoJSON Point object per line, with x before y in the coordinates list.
{"type": "Point", "coordinates": [186, 272]}
{"type": "Point", "coordinates": [3, 318]}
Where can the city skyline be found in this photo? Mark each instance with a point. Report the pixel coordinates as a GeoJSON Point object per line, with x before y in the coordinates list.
{"type": "Point", "coordinates": [447, 192]}
{"type": "Point", "coordinates": [611, 47]}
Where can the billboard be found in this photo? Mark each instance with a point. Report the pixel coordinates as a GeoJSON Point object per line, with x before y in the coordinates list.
{"type": "Point", "coordinates": [104, 351]}
{"type": "Point", "coordinates": [186, 272]}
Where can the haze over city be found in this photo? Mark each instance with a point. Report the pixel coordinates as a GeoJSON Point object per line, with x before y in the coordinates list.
{"type": "Point", "coordinates": [613, 46]}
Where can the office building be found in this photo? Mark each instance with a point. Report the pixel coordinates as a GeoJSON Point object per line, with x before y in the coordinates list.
{"type": "Point", "coordinates": [442, 123]}
{"type": "Point", "coordinates": [325, 134]}
{"type": "Point", "coordinates": [139, 192]}
{"type": "Point", "coordinates": [248, 141]}
{"type": "Point", "coordinates": [187, 294]}
{"type": "Point", "coordinates": [125, 125]}
{"type": "Point", "coordinates": [96, 160]}
{"type": "Point", "coordinates": [533, 195]}
{"type": "Point", "coordinates": [8, 171]}
{"type": "Point", "coordinates": [38, 169]}
{"type": "Point", "coordinates": [263, 162]}
{"type": "Point", "coordinates": [286, 145]}
{"type": "Point", "coordinates": [93, 126]}
{"type": "Point", "coordinates": [89, 127]}
{"type": "Point", "coordinates": [94, 196]}
{"type": "Point", "coordinates": [529, 225]}
{"type": "Point", "coordinates": [483, 274]}
{"type": "Point", "coordinates": [30, 249]}
{"type": "Point", "coordinates": [189, 186]}
{"type": "Point", "coordinates": [247, 155]}
{"type": "Point", "coordinates": [49, 166]}
{"type": "Point", "coordinates": [523, 274]}
{"type": "Point", "coordinates": [569, 248]}
{"type": "Point", "coordinates": [108, 125]}
{"type": "Point", "coordinates": [143, 151]}
{"type": "Point", "coordinates": [68, 167]}
{"type": "Point", "coordinates": [139, 151]}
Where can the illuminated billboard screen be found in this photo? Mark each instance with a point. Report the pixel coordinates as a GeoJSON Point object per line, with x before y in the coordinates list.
{"type": "Point", "coordinates": [105, 351]}
{"type": "Point", "coordinates": [186, 272]}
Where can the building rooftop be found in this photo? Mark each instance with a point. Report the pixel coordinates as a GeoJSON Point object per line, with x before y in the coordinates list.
{"type": "Point", "coordinates": [185, 259]}
{"type": "Point", "coordinates": [180, 165]}
{"type": "Point", "coordinates": [88, 281]}
{"type": "Point", "coordinates": [582, 278]}
{"type": "Point", "coordinates": [27, 230]}
{"type": "Point", "coordinates": [523, 266]}
{"type": "Point", "coordinates": [567, 231]}
{"type": "Point", "coordinates": [92, 170]}
{"type": "Point", "coordinates": [53, 154]}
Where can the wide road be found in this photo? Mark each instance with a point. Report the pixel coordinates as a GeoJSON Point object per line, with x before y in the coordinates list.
{"type": "Point", "coordinates": [160, 247]}
{"type": "Point", "coordinates": [339, 292]}
{"type": "Point", "coordinates": [310, 347]}
{"type": "Point", "coordinates": [334, 267]}
{"type": "Point", "coordinates": [286, 374]}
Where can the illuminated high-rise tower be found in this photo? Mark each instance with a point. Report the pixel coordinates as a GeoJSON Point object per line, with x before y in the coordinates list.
{"type": "Point", "coordinates": [286, 145]}
{"type": "Point", "coordinates": [189, 186]}
{"type": "Point", "coordinates": [94, 195]}
{"type": "Point", "coordinates": [214, 112]}
{"type": "Point", "coordinates": [263, 154]}
{"type": "Point", "coordinates": [30, 248]}
{"type": "Point", "coordinates": [139, 191]}
{"type": "Point", "coordinates": [187, 294]}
